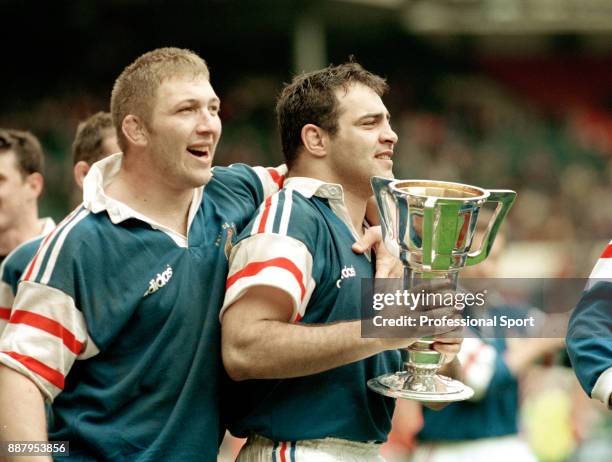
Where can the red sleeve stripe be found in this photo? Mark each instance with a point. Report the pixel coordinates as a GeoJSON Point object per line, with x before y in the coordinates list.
{"type": "Point", "coordinates": [5, 313]}
{"type": "Point", "coordinates": [607, 253]}
{"type": "Point", "coordinates": [48, 325]}
{"type": "Point", "coordinates": [254, 268]}
{"type": "Point", "coordinates": [276, 177]}
{"type": "Point", "coordinates": [50, 375]}
{"type": "Point", "coordinates": [298, 317]}
{"type": "Point", "coordinates": [264, 218]}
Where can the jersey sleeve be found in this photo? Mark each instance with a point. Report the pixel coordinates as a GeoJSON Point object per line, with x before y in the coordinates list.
{"type": "Point", "coordinates": [589, 340]}
{"type": "Point", "coordinates": [276, 250]}
{"type": "Point", "coordinates": [45, 335]}
{"type": "Point", "coordinates": [62, 311]}
{"type": "Point", "coordinates": [253, 184]}
{"type": "Point", "coordinates": [6, 302]}
{"type": "Point", "coordinates": [11, 271]}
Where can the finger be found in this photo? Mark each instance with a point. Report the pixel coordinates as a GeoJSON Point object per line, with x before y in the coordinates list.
{"type": "Point", "coordinates": [446, 349]}
{"type": "Point", "coordinates": [449, 340]}
{"type": "Point", "coordinates": [371, 237]}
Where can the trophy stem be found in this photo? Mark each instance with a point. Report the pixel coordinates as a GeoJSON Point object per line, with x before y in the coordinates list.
{"type": "Point", "coordinates": [419, 380]}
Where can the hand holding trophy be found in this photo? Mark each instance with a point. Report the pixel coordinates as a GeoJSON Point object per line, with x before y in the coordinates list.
{"type": "Point", "coordinates": [429, 226]}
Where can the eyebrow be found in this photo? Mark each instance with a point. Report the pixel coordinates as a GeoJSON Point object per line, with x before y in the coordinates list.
{"type": "Point", "coordinates": [197, 101]}
{"type": "Point", "coordinates": [375, 115]}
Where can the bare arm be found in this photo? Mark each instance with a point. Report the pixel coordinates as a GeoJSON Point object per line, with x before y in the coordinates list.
{"type": "Point", "coordinates": [22, 412]}
{"type": "Point", "coordinates": [258, 342]}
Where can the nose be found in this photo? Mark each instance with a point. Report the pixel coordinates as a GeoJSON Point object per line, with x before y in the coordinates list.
{"type": "Point", "coordinates": [207, 123]}
{"type": "Point", "coordinates": [388, 135]}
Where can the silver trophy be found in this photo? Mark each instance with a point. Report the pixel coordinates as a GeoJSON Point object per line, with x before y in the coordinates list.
{"type": "Point", "coordinates": [429, 226]}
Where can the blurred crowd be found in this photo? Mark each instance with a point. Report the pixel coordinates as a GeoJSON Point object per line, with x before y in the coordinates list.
{"type": "Point", "coordinates": [479, 132]}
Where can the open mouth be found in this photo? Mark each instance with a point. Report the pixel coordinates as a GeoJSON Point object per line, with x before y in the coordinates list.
{"type": "Point", "coordinates": [198, 152]}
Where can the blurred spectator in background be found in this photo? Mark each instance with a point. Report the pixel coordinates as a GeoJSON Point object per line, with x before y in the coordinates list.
{"type": "Point", "coordinates": [95, 139]}
{"type": "Point", "coordinates": [488, 423]}
{"type": "Point", "coordinates": [21, 184]}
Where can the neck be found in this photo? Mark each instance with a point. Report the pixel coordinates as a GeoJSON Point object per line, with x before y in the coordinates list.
{"type": "Point", "coordinates": [148, 192]}
{"type": "Point", "coordinates": [25, 230]}
{"type": "Point", "coordinates": [355, 198]}
{"type": "Point", "coordinates": [356, 206]}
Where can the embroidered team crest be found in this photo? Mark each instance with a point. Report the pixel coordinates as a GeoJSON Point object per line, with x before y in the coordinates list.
{"type": "Point", "coordinates": [227, 249]}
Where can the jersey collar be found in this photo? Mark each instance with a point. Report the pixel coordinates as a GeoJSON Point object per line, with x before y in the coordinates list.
{"type": "Point", "coordinates": [95, 199]}
{"type": "Point", "coordinates": [309, 187]}
{"type": "Point", "coordinates": [333, 192]}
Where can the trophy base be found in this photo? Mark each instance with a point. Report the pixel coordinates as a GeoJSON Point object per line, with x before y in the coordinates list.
{"type": "Point", "coordinates": [439, 388]}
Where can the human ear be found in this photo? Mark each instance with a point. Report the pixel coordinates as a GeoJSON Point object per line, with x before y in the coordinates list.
{"type": "Point", "coordinates": [134, 130]}
{"type": "Point", "coordinates": [314, 140]}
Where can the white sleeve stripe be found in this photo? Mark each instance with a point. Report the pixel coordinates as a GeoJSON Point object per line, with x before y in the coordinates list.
{"type": "Point", "coordinates": [252, 259]}
{"type": "Point", "coordinates": [50, 326]}
{"type": "Point", "coordinates": [35, 265]}
{"type": "Point", "coordinates": [53, 304]}
{"type": "Point", "coordinates": [58, 245]}
{"type": "Point", "coordinates": [55, 332]}
{"type": "Point", "coordinates": [271, 179]}
{"type": "Point", "coordinates": [260, 214]}
{"type": "Point", "coordinates": [284, 223]}
{"type": "Point", "coordinates": [255, 268]}
{"type": "Point", "coordinates": [271, 214]}
{"type": "Point", "coordinates": [270, 276]}
{"type": "Point", "coordinates": [39, 345]}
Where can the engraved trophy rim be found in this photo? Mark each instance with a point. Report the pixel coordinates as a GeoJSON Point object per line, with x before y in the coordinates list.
{"type": "Point", "coordinates": [468, 192]}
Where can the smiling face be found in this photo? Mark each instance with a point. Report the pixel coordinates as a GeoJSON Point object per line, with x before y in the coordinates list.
{"type": "Point", "coordinates": [16, 192]}
{"type": "Point", "coordinates": [183, 131]}
{"type": "Point", "coordinates": [363, 144]}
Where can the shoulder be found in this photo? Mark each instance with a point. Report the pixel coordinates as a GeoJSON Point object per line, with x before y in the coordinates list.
{"type": "Point", "coordinates": [286, 213]}
{"type": "Point", "coordinates": [62, 246]}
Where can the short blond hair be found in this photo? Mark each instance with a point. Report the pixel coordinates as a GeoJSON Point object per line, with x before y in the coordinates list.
{"type": "Point", "coordinates": [135, 89]}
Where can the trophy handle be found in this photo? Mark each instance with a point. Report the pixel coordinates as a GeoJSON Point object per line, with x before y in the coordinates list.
{"type": "Point", "coordinates": [504, 198]}
{"type": "Point", "coordinates": [427, 236]}
{"type": "Point", "coordinates": [383, 199]}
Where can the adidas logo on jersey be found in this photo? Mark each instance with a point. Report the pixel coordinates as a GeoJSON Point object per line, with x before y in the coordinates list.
{"type": "Point", "coordinates": [159, 281]}
{"type": "Point", "coordinates": [347, 272]}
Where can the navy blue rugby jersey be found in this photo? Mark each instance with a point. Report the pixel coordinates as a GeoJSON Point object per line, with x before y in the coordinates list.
{"type": "Point", "coordinates": [128, 313]}
{"type": "Point", "coordinates": [300, 242]}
